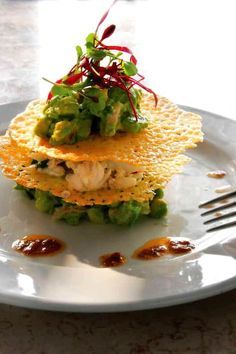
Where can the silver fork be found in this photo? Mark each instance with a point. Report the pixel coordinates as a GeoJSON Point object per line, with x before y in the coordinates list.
{"type": "Point", "coordinates": [218, 209]}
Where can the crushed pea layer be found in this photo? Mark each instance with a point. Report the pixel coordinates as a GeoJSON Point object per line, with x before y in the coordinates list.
{"type": "Point", "coordinates": [120, 213]}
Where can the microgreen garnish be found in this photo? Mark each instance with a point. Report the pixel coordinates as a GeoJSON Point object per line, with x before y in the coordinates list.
{"type": "Point", "coordinates": [103, 66]}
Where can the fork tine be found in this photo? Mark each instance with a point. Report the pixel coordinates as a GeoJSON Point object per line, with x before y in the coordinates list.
{"type": "Point", "coordinates": [222, 217]}
{"type": "Point", "coordinates": [218, 199]}
{"type": "Point", "coordinates": [221, 227]}
{"type": "Point", "coordinates": [220, 208]}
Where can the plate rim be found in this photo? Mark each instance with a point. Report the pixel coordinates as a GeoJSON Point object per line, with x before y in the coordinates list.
{"type": "Point", "coordinates": [37, 303]}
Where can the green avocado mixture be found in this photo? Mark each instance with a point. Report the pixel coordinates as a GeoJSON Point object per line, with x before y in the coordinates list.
{"type": "Point", "coordinates": [120, 213]}
{"type": "Point", "coordinates": [97, 96]}
{"type": "Point", "coordinates": [69, 119]}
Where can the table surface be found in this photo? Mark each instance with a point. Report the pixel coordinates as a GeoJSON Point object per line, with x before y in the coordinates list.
{"type": "Point", "coordinates": [186, 50]}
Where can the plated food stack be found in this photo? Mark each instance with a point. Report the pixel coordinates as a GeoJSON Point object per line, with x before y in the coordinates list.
{"type": "Point", "coordinates": [103, 146]}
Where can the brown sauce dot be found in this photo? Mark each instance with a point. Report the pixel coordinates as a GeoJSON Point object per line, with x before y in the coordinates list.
{"type": "Point", "coordinates": [182, 246]}
{"type": "Point", "coordinates": [162, 246]}
{"type": "Point", "coordinates": [152, 252]}
{"type": "Point", "coordinates": [112, 260]}
{"type": "Point", "coordinates": [38, 245]}
{"type": "Point", "coordinates": [216, 174]}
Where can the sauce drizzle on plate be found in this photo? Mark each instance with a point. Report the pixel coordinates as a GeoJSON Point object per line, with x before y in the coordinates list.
{"type": "Point", "coordinates": [114, 259]}
{"type": "Point", "coordinates": [162, 246]}
{"type": "Point", "coordinates": [38, 245]}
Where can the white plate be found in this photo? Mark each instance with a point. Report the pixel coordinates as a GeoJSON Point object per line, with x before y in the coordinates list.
{"type": "Point", "coordinates": [73, 281]}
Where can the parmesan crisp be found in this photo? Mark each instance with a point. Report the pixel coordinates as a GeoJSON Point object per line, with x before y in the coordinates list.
{"type": "Point", "coordinates": [158, 149]}
{"type": "Point", "coordinates": [170, 132]}
{"type": "Point", "coordinates": [17, 166]}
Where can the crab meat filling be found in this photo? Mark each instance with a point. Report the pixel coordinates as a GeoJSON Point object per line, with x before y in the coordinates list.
{"type": "Point", "coordinates": [90, 176]}
{"type": "Point", "coordinates": [93, 175]}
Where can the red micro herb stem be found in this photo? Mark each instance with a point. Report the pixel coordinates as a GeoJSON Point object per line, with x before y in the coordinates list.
{"type": "Point", "coordinates": [104, 16]}
{"type": "Point", "coordinates": [133, 59]}
{"type": "Point", "coordinates": [116, 47]}
{"type": "Point", "coordinates": [111, 75]}
{"type": "Point", "coordinates": [128, 78]}
{"type": "Point", "coordinates": [73, 79]}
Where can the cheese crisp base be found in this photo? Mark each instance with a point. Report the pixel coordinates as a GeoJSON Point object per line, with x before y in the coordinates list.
{"type": "Point", "coordinates": [17, 166]}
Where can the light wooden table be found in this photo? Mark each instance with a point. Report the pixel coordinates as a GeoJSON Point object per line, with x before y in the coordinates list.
{"type": "Point", "coordinates": [187, 51]}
